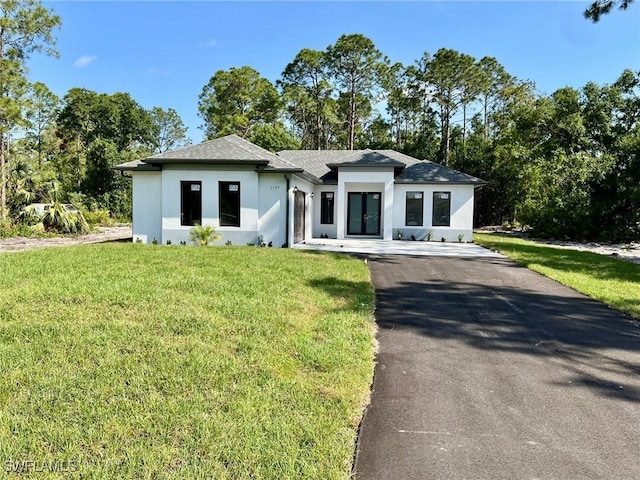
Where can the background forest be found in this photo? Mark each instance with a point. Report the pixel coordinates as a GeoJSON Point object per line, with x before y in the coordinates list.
{"type": "Point", "coordinates": [562, 165]}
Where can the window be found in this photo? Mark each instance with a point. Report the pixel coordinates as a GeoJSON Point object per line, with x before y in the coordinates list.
{"type": "Point", "coordinates": [326, 208]}
{"type": "Point", "coordinates": [229, 204]}
{"type": "Point", "coordinates": [190, 203]}
{"type": "Point", "coordinates": [441, 209]}
{"type": "Point", "coordinates": [414, 210]}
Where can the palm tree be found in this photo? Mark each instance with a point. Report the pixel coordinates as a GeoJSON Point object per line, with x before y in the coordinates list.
{"type": "Point", "coordinates": [203, 234]}
{"type": "Point", "coordinates": [57, 216]}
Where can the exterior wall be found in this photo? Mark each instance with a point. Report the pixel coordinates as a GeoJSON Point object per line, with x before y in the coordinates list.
{"type": "Point", "coordinates": [319, 228]}
{"type": "Point", "coordinates": [461, 212]}
{"type": "Point", "coordinates": [264, 197]}
{"type": "Point", "coordinates": [210, 175]}
{"type": "Point", "coordinates": [362, 179]}
{"type": "Point", "coordinates": [272, 213]}
{"type": "Point", "coordinates": [308, 188]}
{"type": "Point", "coordinates": [147, 202]}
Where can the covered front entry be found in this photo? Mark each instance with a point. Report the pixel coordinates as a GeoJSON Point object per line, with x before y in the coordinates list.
{"type": "Point", "coordinates": [363, 213]}
{"type": "Point", "coordinates": [298, 216]}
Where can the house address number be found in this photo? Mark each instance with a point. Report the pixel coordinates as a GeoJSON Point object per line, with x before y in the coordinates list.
{"type": "Point", "coordinates": [274, 187]}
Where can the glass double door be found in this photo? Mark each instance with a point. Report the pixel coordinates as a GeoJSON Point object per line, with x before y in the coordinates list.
{"type": "Point", "coordinates": [363, 213]}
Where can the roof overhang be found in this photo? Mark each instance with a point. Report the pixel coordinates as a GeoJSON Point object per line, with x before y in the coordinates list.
{"type": "Point", "coordinates": [392, 164]}
{"type": "Point", "coordinates": [137, 166]}
{"type": "Point", "coordinates": [296, 171]}
{"type": "Point", "coordinates": [201, 161]}
{"type": "Point", "coordinates": [438, 182]}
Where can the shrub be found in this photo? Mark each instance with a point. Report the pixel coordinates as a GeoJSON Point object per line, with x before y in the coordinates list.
{"type": "Point", "coordinates": [58, 219]}
{"type": "Point", "coordinates": [10, 229]}
{"type": "Point", "coordinates": [203, 234]}
{"type": "Point", "coordinates": [100, 217]}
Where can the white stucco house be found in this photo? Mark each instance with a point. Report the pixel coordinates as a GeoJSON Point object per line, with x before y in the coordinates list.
{"type": "Point", "coordinates": [248, 194]}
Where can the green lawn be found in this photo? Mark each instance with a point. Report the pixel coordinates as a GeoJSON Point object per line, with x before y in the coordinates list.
{"type": "Point", "coordinates": [606, 279]}
{"type": "Point", "coordinates": [141, 361]}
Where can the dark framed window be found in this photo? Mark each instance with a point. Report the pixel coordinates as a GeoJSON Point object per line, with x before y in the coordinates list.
{"type": "Point", "coordinates": [190, 203]}
{"type": "Point", "coordinates": [229, 204]}
{"type": "Point", "coordinates": [414, 209]}
{"type": "Point", "coordinates": [441, 209]}
{"type": "Point", "coordinates": [326, 208]}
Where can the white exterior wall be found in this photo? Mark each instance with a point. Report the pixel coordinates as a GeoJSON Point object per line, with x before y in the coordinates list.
{"type": "Point", "coordinates": [210, 175]}
{"type": "Point", "coordinates": [363, 179]}
{"type": "Point", "coordinates": [461, 212]}
{"type": "Point", "coordinates": [147, 202]}
{"type": "Point", "coordinates": [272, 214]}
{"type": "Point", "coordinates": [319, 228]}
{"type": "Point", "coordinates": [264, 197]}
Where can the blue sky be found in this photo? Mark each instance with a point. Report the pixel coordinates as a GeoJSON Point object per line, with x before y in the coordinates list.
{"type": "Point", "coordinates": [164, 52]}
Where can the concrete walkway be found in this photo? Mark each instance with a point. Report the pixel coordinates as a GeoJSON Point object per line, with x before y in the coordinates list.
{"type": "Point", "coordinates": [397, 247]}
{"type": "Point", "coordinates": [487, 370]}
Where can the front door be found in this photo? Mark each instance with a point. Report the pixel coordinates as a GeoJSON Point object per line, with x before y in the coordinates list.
{"type": "Point", "coordinates": [298, 216]}
{"type": "Point", "coordinates": [363, 213]}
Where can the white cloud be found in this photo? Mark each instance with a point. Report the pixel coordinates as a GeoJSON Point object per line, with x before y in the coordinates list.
{"type": "Point", "coordinates": [210, 43]}
{"type": "Point", "coordinates": [84, 60]}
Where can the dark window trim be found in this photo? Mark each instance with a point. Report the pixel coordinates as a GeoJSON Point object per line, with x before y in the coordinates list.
{"type": "Point", "coordinates": [183, 223]}
{"type": "Point", "coordinates": [406, 210]}
{"type": "Point", "coordinates": [330, 213]}
{"type": "Point", "coordinates": [433, 212]}
{"type": "Point", "coordinates": [221, 186]}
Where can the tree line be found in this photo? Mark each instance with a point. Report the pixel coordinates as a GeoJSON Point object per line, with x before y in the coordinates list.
{"type": "Point", "coordinates": [564, 164]}
{"type": "Point", "coordinates": [56, 150]}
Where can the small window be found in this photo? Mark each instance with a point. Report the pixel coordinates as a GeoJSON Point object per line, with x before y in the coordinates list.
{"type": "Point", "coordinates": [441, 209]}
{"type": "Point", "coordinates": [190, 203]}
{"type": "Point", "coordinates": [229, 204]}
{"type": "Point", "coordinates": [414, 210]}
{"type": "Point", "coordinates": [326, 208]}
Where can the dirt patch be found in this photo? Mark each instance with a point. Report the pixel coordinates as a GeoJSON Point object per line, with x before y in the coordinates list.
{"type": "Point", "coordinates": [624, 251]}
{"type": "Point", "coordinates": [106, 234]}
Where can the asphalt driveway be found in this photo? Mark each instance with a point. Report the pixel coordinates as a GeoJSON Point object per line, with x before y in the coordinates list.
{"type": "Point", "coordinates": [487, 370]}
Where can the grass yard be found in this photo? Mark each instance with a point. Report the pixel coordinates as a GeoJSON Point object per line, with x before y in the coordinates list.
{"type": "Point", "coordinates": [608, 280]}
{"type": "Point", "coordinates": [141, 361]}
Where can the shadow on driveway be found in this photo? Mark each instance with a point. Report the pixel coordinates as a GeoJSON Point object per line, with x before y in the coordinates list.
{"type": "Point", "coordinates": [489, 370]}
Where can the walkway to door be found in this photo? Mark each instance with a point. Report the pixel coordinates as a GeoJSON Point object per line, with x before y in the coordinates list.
{"type": "Point", "coordinates": [396, 247]}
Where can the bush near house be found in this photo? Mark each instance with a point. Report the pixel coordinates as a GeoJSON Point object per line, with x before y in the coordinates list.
{"type": "Point", "coordinates": [142, 361]}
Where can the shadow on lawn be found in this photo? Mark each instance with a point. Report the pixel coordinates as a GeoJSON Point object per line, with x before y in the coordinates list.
{"type": "Point", "coordinates": [355, 295]}
{"type": "Point", "coordinates": [493, 304]}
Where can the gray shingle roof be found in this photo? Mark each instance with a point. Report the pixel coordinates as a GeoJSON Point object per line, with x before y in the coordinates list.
{"type": "Point", "coordinates": [321, 163]}
{"type": "Point", "coordinates": [229, 149]}
{"type": "Point", "coordinates": [428, 172]}
{"type": "Point", "coordinates": [315, 161]}
{"type": "Point", "coordinates": [137, 165]}
{"type": "Point", "coordinates": [315, 165]}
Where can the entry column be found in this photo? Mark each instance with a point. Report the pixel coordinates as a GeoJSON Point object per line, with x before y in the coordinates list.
{"type": "Point", "coordinates": [387, 226]}
{"type": "Point", "coordinates": [341, 208]}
